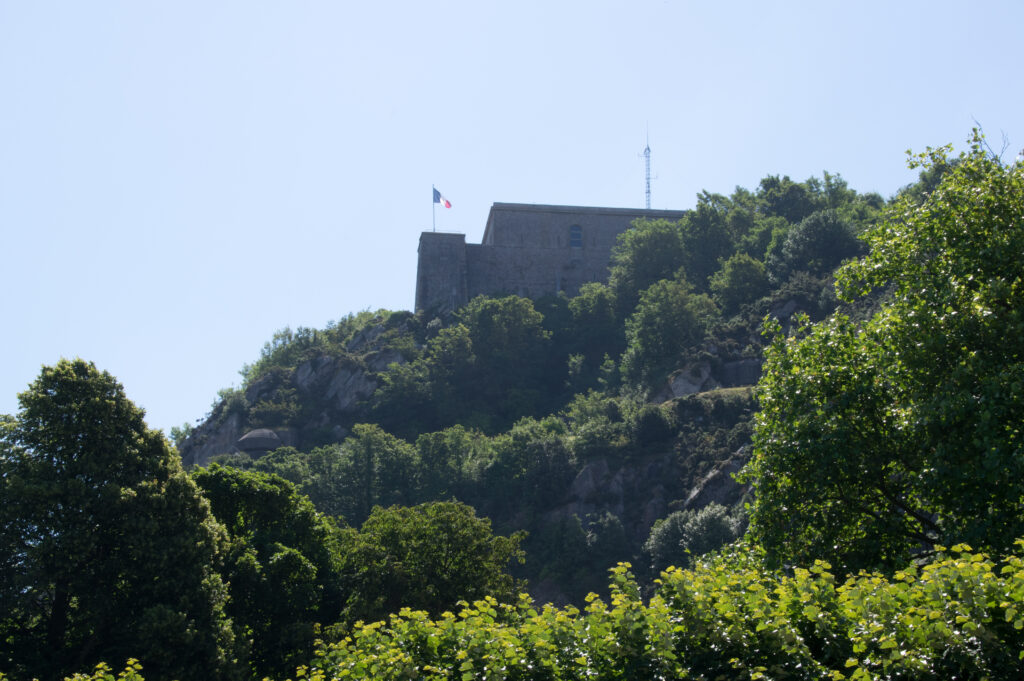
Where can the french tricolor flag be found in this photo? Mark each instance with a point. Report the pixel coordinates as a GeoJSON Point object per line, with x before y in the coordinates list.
{"type": "Point", "coordinates": [440, 199]}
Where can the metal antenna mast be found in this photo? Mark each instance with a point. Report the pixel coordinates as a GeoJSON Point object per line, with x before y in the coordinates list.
{"type": "Point", "coordinates": [647, 172]}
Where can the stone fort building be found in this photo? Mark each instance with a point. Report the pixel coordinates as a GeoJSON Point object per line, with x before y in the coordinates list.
{"type": "Point", "coordinates": [527, 250]}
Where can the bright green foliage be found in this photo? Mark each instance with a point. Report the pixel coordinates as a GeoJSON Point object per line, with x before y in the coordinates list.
{"type": "Point", "coordinates": [426, 557]}
{"type": "Point", "coordinates": [706, 240]}
{"type": "Point", "coordinates": [962, 616]}
{"type": "Point", "coordinates": [817, 245]}
{"type": "Point", "coordinates": [132, 672]}
{"type": "Point", "coordinates": [669, 320]}
{"type": "Point", "coordinates": [283, 566]}
{"type": "Point", "coordinates": [649, 252]}
{"type": "Point", "coordinates": [951, 619]}
{"type": "Point", "coordinates": [108, 548]}
{"type": "Point", "coordinates": [741, 280]}
{"type": "Point", "coordinates": [376, 468]}
{"type": "Point", "coordinates": [491, 640]}
{"type": "Point", "coordinates": [878, 439]}
{"type": "Point", "coordinates": [959, 617]}
{"type": "Point", "coordinates": [487, 370]}
{"type": "Point", "coordinates": [834, 478]}
{"type": "Point", "coordinates": [684, 536]}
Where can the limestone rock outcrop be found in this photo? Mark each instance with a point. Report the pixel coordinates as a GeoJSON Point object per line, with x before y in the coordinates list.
{"type": "Point", "coordinates": [719, 486]}
{"type": "Point", "coordinates": [332, 391]}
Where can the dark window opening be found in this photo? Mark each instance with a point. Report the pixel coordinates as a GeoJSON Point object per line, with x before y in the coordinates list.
{"type": "Point", "coordinates": [576, 236]}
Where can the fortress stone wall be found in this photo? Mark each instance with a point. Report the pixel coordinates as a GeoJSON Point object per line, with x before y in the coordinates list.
{"type": "Point", "coordinates": [527, 250]}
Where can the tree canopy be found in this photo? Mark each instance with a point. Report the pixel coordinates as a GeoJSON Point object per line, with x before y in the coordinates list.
{"type": "Point", "coordinates": [282, 567]}
{"type": "Point", "coordinates": [109, 550]}
{"type": "Point", "coordinates": [878, 439]}
{"type": "Point", "coordinates": [426, 557]}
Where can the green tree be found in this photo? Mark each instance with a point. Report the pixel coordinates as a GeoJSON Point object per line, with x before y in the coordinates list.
{"type": "Point", "coordinates": [283, 565]}
{"type": "Point", "coordinates": [488, 369]}
{"type": "Point", "coordinates": [704, 235]}
{"type": "Point", "coordinates": [817, 244]}
{"type": "Point", "coordinates": [597, 330]}
{"type": "Point", "coordinates": [427, 557]}
{"type": "Point", "coordinates": [685, 535]}
{"type": "Point", "coordinates": [443, 460]}
{"type": "Point", "coordinates": [790, 200]}
{"type": "Point", "coordinates": [741, 280]}
{"type": "Point", "coordinates": [652, 250]}
{"type": "Point", "coordinates": [532, 464]}
{"type": "Point", "coordinates": [513, 366]}
{"type": "Point", "coordinates": [668, 320]}
{"type": "Point", "coordinates": [877, 440]}
{"type": "Point", "coordinates": [376, 468]}
{"type": "Point", "coordinates": [428, 393]}
{"type": "Point", "coordinates": [596, 425]}
{"type": "Point", "coordinates": [109, 550]}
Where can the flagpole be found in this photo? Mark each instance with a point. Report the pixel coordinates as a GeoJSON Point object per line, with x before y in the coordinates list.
{"type": "Point", "coordinates": [433, 210]}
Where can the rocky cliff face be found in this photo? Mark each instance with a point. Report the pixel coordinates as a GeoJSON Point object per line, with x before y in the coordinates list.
{"type": "Point", "coordinates": [638, 493]}
{"type": "Point", "coordinates": [708, 375]}
{"type": "Point", "coordinates": [317, 401]}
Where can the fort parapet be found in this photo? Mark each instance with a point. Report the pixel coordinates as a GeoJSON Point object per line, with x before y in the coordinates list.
{"type": "Point", "coordinates": [527, 250]}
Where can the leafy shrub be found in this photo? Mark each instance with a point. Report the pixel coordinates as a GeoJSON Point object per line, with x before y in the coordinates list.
{"type": "Point", "coordinates": [741, 280]}
{"type": "Point", "coordinates": [818, 244]}
{"type": "Point", "coordinates": [652, 425]}
{"type": "Point", "coordinates": [960, 617]}
{"type": "Point", "coordinates": [669, 320]}
{"type": "Point", "coordinates": [429, 556]}
{"type": "Point", "coordinates": [684, 536]}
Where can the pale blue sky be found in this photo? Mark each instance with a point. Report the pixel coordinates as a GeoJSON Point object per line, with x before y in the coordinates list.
{"type": "Point", "coordinates": [180, 179]}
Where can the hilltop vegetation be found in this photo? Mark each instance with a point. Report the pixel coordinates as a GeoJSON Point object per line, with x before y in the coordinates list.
{"type": "Point", "coordinates": [677, 293]}
{"type": "Point", "coordinates": [428, 455]}
{"type": "Point", "coordinates": [581, 420]}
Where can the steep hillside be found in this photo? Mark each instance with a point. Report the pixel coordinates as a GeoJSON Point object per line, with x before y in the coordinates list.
{"type": "Point", "coordinates": [586, 421]}
{"type": "Point", "coordinates": [394, 467]}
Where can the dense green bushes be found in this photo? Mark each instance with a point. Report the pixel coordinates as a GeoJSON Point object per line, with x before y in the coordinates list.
{"type": "Point", "coordinates": [960, 616]}
{"type": "Point", "coordinates": [289, 348]}
{"type": "Point", "coordinates": [684, 536]}
{"type": "Point", "coordinates": [426, 557]}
